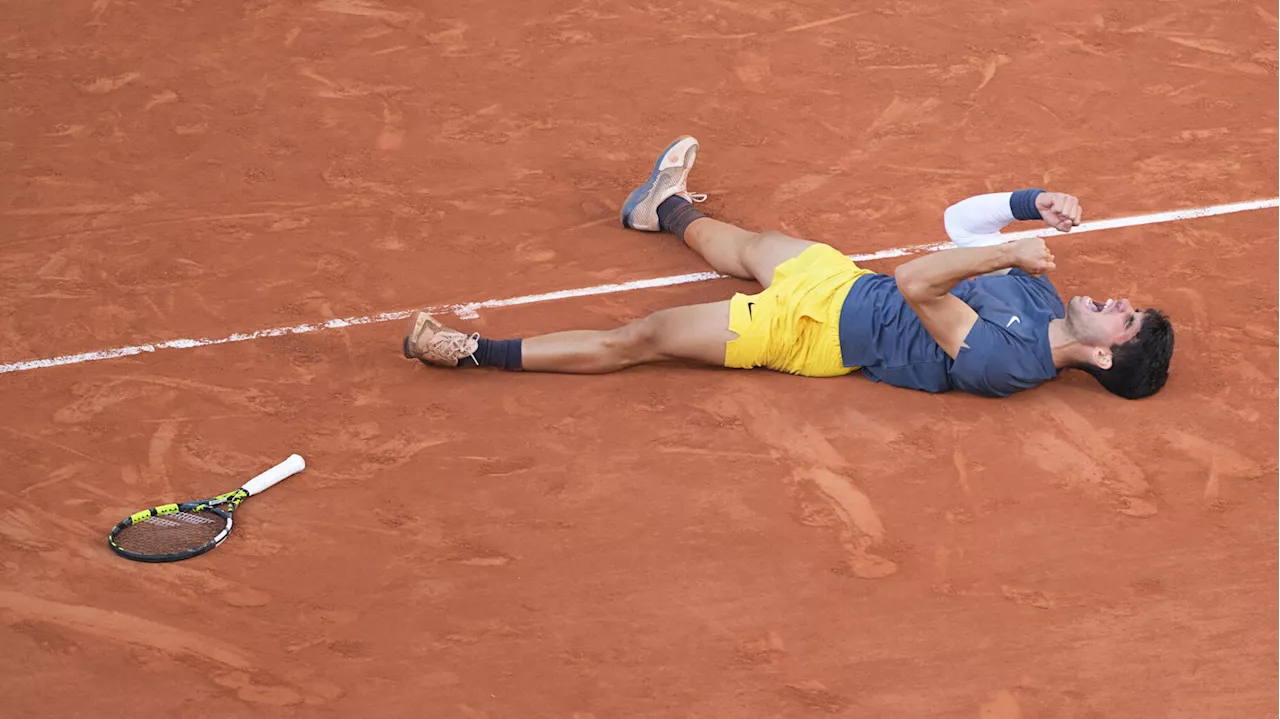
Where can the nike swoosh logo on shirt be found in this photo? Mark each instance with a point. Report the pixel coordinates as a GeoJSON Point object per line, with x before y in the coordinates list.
{"type": "Point", "coordinates": [750, 315]}
{"type": "Point", "coordinates": [1011, 321]}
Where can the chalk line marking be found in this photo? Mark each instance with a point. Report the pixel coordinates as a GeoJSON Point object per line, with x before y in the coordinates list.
{"type": "Point", "coordinates": [469, 310]}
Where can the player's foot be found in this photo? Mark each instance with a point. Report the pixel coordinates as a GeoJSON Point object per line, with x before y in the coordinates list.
{"type": "Point", "coordinates": [669, 177]}
{"type": "Point", "coordinates": [432, 343]}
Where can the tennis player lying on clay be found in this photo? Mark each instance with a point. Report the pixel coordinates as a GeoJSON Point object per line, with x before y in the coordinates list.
{"type": "Point", "coordinates": [982, 319]}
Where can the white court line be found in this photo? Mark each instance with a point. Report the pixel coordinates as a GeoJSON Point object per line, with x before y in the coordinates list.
{"type": "Point", "coordinates": [468, 310]}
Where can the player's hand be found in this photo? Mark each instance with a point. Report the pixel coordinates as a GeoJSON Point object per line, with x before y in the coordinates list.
{"type": "Point", "coordinates": [1031, 256]}
{"type": "Point", "coordinates": [1059, 210]}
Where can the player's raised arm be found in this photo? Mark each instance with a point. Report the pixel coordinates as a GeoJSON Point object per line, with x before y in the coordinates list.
{"type": "Point", "coordinates": [977, 221]}
{"type": "Point", "coordinates": [926, 283]}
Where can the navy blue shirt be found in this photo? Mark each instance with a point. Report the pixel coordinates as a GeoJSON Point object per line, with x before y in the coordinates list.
{"type": "Point", "coordinates": [1008, 347]}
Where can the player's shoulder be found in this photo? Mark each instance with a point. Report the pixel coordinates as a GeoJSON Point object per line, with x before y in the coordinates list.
{"type": "Point", "coordinates": [1017, 287]}
{"type": "Point", "coordinates": [1041, 282]}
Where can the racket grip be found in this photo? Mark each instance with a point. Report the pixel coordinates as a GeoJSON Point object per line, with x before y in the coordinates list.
{"type": "Point", "coordinates": [276, 474]}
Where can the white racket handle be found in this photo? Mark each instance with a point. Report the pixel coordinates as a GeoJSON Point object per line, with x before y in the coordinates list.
{"type": "Point", "coordinates": [275, 475]}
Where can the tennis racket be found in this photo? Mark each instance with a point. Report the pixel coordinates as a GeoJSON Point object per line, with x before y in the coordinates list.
{"type": "Point", "coordinates": [172, 532]}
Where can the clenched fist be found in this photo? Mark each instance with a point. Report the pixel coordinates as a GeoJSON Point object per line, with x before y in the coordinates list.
{"type": "Point", "coordinates": [1031, 256]}
{"type": "Point", "coordinates": [1059, 210]}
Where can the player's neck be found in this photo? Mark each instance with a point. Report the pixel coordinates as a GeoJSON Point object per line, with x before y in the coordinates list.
{"type": "Point", "coordinates": [1067, 351]}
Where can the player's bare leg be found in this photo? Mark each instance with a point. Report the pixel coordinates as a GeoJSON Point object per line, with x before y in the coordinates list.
{"type": "Point", "coordinates": [696, 333]}
{"type": "Point", "coordinates": [663, 203]}
{"type": "Point", "coordinates": [731, 250]}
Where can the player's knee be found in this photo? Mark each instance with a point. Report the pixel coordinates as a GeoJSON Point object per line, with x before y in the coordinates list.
{"type": "Point", "coordinates": [764, 243]}
{"type": "Point", "coordinates": [637, 341]}
{"type": "Point", "coordinates": [760, 240]}
{"type": "Point", "coordinates": [760, 255]}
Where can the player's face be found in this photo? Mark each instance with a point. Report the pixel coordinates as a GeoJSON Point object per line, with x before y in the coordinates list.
{"type": "Point", "coordinates": [1103, 324]}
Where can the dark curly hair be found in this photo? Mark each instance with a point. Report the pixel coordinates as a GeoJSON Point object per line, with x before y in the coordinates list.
{"type": "Point", "coordinates": [1139, 367]}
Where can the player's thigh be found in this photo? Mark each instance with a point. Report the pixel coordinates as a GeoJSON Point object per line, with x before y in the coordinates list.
{"type": "Point", "coordinates": [692, 332]}
{"type": "Point", "coordinates": [767, 250]}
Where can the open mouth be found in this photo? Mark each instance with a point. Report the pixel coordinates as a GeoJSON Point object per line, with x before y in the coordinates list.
{"type": "Point", "coordinates": [1095, 306]}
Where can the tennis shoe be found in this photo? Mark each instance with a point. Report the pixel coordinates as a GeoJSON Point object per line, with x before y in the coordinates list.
{"type": "Point", "coordinates": [432, 343]}
{"type": "Point", "coordinates": [670, 176]}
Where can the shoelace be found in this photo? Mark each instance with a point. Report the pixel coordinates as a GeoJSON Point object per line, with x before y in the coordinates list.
{"type": "Point", "coordinates": [697, 196]}
{"type": "Point", "coordinates": [454, 344]}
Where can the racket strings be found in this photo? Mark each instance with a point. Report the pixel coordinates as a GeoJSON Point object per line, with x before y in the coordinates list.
{"type": "Point", "coordinates": [171, 533]}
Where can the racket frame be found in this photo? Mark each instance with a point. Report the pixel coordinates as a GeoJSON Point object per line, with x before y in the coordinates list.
{"type": "Point", "coordinates": [214, 505]}
{"type": "Point", "coordinates": [222, 505]}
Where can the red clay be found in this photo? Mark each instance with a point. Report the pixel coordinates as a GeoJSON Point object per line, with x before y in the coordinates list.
{"type": "Point", "coordinates": [668, 542]}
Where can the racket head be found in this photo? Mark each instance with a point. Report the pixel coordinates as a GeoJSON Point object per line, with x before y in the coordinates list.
{"type": "Point", "coordinates": [173, 532]}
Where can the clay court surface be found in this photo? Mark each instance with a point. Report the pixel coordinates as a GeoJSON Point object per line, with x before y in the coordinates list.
{"type": "Point", "coordinates": [666, 542]}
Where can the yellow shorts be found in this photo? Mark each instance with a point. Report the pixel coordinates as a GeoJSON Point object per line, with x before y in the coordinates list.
{"type": "Point", "coordinates": [794, 325]}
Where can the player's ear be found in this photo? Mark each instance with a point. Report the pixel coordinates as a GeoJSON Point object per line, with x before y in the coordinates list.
{"type": "Point", "coordinates": [1101, 357]}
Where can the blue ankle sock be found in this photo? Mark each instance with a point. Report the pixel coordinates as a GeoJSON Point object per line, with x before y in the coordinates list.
{"type": "Point", "coordinates": [675, 214]}
{"type": "Point", "coordinates": [504, 354]}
